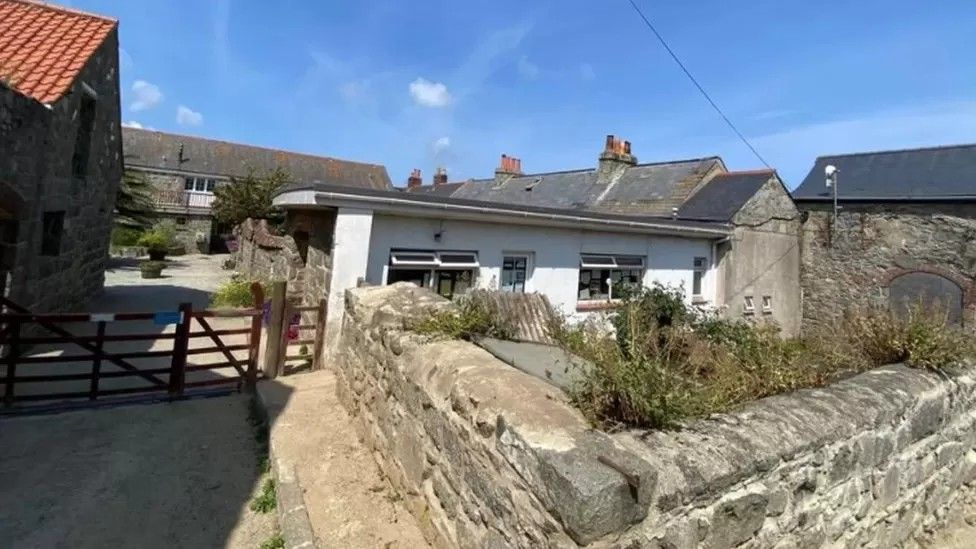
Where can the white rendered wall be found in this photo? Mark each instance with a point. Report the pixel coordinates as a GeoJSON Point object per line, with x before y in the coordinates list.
{"type": "Point", "coordinates": [350, 253]}
{"type": "Point", "coordinates": [555, 253]}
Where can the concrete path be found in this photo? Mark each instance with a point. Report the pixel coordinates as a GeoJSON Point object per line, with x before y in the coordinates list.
{"type": "Point", "coordinates": [349, 505]}
{"type": "Point", "coordinates": [147, 476]}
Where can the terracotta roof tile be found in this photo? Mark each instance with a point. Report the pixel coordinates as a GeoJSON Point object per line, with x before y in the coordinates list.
{"type": "Point", "coordinates": [43, 47]}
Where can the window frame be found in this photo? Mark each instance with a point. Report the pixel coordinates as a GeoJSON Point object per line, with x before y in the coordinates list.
{"type": "Point", "coordinates": [49, 221]}
{"type": "Point", "coordinates": [433, 264]}
{"type": "Point", "coordinates": [698, 273]}
{"type": "Point", "coordinates": [610, 263]}
{"type": "Point", "coordinates": [209, 184]}
{"type": "Point", "coordinates": [515, 257]}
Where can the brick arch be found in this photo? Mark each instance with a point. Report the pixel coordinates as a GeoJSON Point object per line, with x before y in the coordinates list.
{"type": "Point", "coordinates": [968, 286]}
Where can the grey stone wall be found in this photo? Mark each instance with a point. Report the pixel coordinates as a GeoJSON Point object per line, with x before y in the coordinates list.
{"type": "Point", "coordinates": [850, 264]}
{"type": "Point", "coordinates": [194, 231]}
{"type": "Point", "coordinates": [486, 456]}
{"type": "Point", "coordinates": [763, 259]}
{"type": "Point", "coordinates": [37, 147]}
{"type": "Point", "coordinates": [264, 256]}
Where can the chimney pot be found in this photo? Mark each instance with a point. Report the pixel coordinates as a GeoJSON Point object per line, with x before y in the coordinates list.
{"type": "Point", "coordinates": [415, 180]}
{"type": "Point", "coordinates": [440, 176]}
{"type": "Point", "coordinates": [626, 147]}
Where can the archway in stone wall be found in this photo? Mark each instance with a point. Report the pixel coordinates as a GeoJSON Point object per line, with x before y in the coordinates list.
{"type": "Point", "coordinates": [929, 289]}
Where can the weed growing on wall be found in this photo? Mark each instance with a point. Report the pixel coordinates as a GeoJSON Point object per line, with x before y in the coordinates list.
{"type": "Point", "coordinates": [470, 318]}
{"type": "Point", "coordinates": [664, 362]}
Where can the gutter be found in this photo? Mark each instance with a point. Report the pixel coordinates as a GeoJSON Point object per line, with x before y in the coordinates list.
{"type": "Point", "coordinates": [331, 195]}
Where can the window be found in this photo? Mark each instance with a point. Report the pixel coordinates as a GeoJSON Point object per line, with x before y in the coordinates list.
{"type": "Point", "coordinates": [767, 303]}
{"type": "Point", "coordinates": [701, 266]}
{"type": "Point", "coordinates": [181, 221]}
{"type": "Point", "coordinates": [514, 270]}
{"type": "Point", "coordinates": [52, 225]}
{"type": "Point", "coordinates": [86, 121]}
{"type": "Point", "coordinates": [447, 273]}
{"type": "Point", "coordinates": [602, 275]}
{"type": "Point", "coordinates": [748, 305]}
{"type": "Point", "coordinates": [199, 184]}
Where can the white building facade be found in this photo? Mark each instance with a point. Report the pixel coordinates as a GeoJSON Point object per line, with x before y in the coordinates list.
{"type": "Point", "coordinates": [575, 258]}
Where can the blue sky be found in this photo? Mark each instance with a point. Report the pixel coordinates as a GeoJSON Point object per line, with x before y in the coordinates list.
{"type": "Point", "coordinates": [434, 82]}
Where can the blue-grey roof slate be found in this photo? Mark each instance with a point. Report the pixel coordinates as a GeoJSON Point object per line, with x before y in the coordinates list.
{"type": "Point", "coordinates": [724, 196]}
{"type": "Point", "coordinates": [647, 189]}
{"type": "Point", "coordinates": [912, 174]}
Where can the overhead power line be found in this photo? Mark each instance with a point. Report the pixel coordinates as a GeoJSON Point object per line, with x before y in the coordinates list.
{"type": "Point", "coordinates": [708, 98]}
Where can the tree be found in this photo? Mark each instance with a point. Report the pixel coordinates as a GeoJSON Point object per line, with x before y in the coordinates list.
{"type": "Point", "coordinates": [249, 197]}
{"type": "Point", "coordinates": [133, 204]}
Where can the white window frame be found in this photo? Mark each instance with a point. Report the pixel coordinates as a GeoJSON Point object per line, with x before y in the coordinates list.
{"type": "Point", "coordinates": [434, 264]}
{"type": "Point", "coordinates": [767, 303]}
{"type": "Point", "coordinates": [748, 305]}
{"type": "Point", "coordinates": [514, 256]}
{"type": "Point", "coordinates": [609, 262]}
{"type": "Point", "coordinates": [196, 181]}
{"type": "Point", "coordinates": [700, 270]}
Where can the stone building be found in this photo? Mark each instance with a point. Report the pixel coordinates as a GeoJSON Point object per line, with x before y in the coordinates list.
{"type": "Point", "coordinates": [60, 152]}
{"type": "Point", "coordinates": [904, 231]}
{"type": "Point", "coordinates": [185, 170]}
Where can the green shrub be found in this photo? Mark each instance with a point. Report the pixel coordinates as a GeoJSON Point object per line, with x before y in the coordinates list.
{"type": "Point", "coordinates": [235, 293]}
{"type": "Point", "coordinates": [469, 318]}
{"type": "Point", "coordinates": [154, 241]}
{"type": "Point", "coordinates": [274, 542]}
{"type": "Point", "coordinates": [665, 362]}
{"type": "Point", "coordinates": [126, 236]}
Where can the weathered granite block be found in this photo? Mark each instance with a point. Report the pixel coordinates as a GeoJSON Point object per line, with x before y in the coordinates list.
{"type": "Point", "coordinates": [488, 456]}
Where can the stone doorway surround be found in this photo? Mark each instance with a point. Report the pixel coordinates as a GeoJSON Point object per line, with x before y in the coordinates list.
{"type": "Point", "coordinates": [967, 288]}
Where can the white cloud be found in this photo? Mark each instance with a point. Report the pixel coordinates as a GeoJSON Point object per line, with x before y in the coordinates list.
{"type": "Point", "coordinates": [527, 68]}
{"type": "Point", "coordinates": [147, 96]}
{"type": "Point", "coordinates": [586, 71]}
{"type": "Point", "coordinates": [132, 124]}
{"type": "Point", "coordinates": [429, 94]}
{"type": "Point", "coordinates": [185, 116]}
{"type": "Point", "coordinates": [441, 144]}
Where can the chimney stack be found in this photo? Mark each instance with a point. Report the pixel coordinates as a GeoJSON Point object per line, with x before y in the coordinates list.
{"type": "Point", "coordinates": [614, 160]}
{"type": "Point", "coordinates": [508, 168]}
{"type": "Point", "coordinates": [414, 180]}
{"type": "Point", "coordinates": [440, 177]}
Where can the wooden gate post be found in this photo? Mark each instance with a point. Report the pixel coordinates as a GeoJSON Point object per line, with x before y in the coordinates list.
{"type": "Point", "coordinates": [275, 327]}
{"type": "Point", "coordinates": [13, 355]}
{"type": "Point", "coordinates": [254, 351]}
{"type": "Point", "coordinates": [319, 345]}
{"type": "Point", "coordinates": [181, 344]}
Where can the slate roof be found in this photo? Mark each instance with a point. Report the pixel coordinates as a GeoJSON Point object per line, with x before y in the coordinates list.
{"type": "Point", "coordinates": [722, 197]}
{"type": "Point", "coordinates": [429, 198]}
{"type": "Point", "coordinates": [44, 47]}
{"type": "Point", "coordinates": [936, 173]}
{"type": "Point", "coordinates": [159, 150]}
{"type": "Point", "coordinates": [644, 189]}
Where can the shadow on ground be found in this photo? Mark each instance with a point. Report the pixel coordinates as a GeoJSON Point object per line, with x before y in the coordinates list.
{"type": "Point", "coordinates": [124, 474]}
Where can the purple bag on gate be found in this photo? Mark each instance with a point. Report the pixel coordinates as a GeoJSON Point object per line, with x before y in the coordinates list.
{"type": "Point", "coordinates": [293, 326]}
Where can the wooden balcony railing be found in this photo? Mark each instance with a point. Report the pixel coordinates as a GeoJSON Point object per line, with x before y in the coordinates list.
{"type": "Point", "coordinates": [182, 200]}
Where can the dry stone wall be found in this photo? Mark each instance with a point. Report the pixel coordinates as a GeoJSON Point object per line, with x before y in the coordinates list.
{"type": "Point", "coordinates": [489, 457]}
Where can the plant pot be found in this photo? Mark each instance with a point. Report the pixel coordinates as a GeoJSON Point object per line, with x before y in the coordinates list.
{"type": "Point", "coordinates": [157, 255]}
{"type": "Point", "coordinates": [151, 271]}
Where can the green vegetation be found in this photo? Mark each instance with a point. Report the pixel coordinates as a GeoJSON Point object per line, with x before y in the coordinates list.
{"type": "Point", "coordinates": [470, 318]}
{"type": "Point", "coordinates": [250, 197]}
{"type": "Point", "coordinates": [274, 542]}
{"type": "Point", "coordinates": [125, 236]}
{"type": "Point", "coordinates": [267, 500]}
{"type": "Point", "coordinates": [134, 205]}
{"type": "Point", "coordinates": [235, 293]}
{"type": "Point", "coordinates": [665, 362]}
